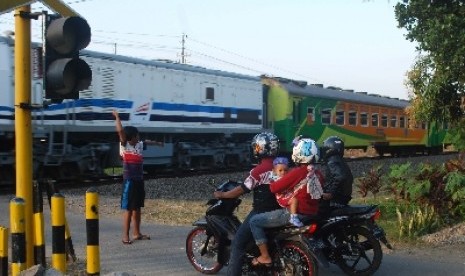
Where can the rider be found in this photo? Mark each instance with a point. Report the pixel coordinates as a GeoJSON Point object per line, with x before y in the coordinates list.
{"type": "Point", "coordinates": [338, 188]}
{"type": "Point", "coordinates": [265, 147]}
{"type": "Point", "coordinates": [303, 183]}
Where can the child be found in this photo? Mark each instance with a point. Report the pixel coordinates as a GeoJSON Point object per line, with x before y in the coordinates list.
{"type": "Point", "coordinates": [133, 193]}
{"type": "Point", "coordinates": [280, 168]}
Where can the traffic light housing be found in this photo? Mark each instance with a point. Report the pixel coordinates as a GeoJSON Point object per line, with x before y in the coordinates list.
{"type": "Point", "coordinates": [65, 73]}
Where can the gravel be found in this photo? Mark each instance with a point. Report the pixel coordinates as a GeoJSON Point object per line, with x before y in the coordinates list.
{"type": "Point", "coordinates": [200, 187]}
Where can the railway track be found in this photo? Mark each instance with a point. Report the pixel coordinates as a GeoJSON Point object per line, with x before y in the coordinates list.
{"type": "Point", "coordinates": [358, 164]}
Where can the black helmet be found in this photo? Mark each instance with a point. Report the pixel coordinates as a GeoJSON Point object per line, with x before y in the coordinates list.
{"type": "Point", "coordinates": [333, 145]}
{"type": "Point", "coordinates": [265, 144]}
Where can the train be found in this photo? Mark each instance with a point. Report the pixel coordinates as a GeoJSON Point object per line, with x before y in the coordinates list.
{"type": "Point", "coordinates": [362, 120]}
{"type": "Point", "coordinates": [206, 118]}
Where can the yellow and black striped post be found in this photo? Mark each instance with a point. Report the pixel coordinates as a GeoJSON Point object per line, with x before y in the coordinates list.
{"type": "Point", "coordinates": [51, 190]}
{"type": "Point", "coordinates": [38, 222]}
{"type": "Point", "coordinates": [58, 232]}
{"type": "Point", "coordinates": [3, 251]}
{"type": "Point", "coordinates": [92, 227]}
{"type": "Point", "coordinates": [18, 235]}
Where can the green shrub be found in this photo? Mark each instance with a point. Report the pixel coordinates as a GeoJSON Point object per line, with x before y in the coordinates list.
{"type": "Point", "coordinates": [425, 197]}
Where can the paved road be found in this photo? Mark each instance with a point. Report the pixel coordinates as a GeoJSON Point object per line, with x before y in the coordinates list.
{"type": "Point", "coordinates": [165, 253]}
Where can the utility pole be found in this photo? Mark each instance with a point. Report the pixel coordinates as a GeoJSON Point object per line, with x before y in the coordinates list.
{"type": "Point", "coordinates": [183, 49]}
{"type": "Point", "coordinates": [23, 129]}
{"type": "Point", "coordinates": [23, 108]}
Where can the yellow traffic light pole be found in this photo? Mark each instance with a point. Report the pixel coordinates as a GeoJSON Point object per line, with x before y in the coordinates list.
{"type": "Point", "coordinates": [23, 123]}
{"type": "Point", "coordinates": [23, 129]}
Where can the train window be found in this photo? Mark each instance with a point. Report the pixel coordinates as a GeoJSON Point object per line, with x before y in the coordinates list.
{"type": "Point", "coordinates": [352, 118]}
{"type": "Point", "coordinates": [384, 120]}
{"type": "Point", "coordinates": [411, 123]}
{"type": "Point", "coordinates": [374, 120]}
{"type": "Point", "coordinates": [340, 117]}
{"type": "Point", "coordinates": [364, 119]}
{"type": "Point", "coordinates": [310, 114]}
{"type": "Point", "coordinates": [209, 93]}
{"type": "Point", "coordinates": [296, 108]}
{"type": "Point", "coordinates": [326, 116]}
{"type": "Point", "coordinates": [393, 121]}
{"type": "Point", "coordinates": [402, 122]}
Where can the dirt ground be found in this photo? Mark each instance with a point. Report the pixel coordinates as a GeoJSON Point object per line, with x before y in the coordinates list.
{"type": "Point", "coordinates": [184, 212]}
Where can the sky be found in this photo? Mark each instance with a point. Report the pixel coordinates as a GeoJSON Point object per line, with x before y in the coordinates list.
{"type": "Point", "coordinates": [351, 44]}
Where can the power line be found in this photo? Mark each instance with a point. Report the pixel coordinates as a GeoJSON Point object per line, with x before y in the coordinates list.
{"type": "Point", "coordinates": [105, 40]}
{"type": "Point", "coordinates": [137, 34]}
{"type": "Point", "coordinates": [227, 62]}
{"type": "Point", "coordinates": [247, 58]}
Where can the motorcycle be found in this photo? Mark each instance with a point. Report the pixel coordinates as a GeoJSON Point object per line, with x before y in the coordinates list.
{"type": "Point", "coordinates": [208, 244]}
{"type": "Point", "coordinates": [350, 238]}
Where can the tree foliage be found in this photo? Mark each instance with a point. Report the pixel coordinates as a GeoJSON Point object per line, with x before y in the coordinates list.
{"type": "Point", "coordinates": [437, 79]}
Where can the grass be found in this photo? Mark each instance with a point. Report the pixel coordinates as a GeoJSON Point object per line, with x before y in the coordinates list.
{"type": "Point", "coordinates": [184, 213]}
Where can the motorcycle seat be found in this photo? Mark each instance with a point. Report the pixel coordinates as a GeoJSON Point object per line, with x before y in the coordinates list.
{"type": "Point", "coordinates": [352, 210]}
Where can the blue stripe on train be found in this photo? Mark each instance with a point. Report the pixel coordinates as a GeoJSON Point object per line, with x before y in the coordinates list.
{"type": "Point", "coordinates": [241, 115]}
{"type": "Point", "coordinates": [92, 103]}
{"type": "Point", "coordinates": [198, 108]}
{"type": "Point", "coordinates": [128, 104]}
{"type": "Point", "coordinates": [96, 116]}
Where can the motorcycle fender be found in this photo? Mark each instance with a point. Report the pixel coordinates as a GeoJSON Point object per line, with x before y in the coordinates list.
{"type": "Point", "coordinates": [379, 233]}
{"type": "Point", "coordinates": [329, 226]}
{"type": "Point", "coordinates": [316, 252]}
{"type": "Point", "coordinates": [200, 222]}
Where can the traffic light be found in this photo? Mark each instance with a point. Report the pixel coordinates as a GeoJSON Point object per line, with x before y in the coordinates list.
{"type": "Point", "coordinates": [65, 73]}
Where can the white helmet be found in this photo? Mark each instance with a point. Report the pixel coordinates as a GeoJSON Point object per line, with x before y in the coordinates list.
{"type": "Point", "coordinates": [305, 152]}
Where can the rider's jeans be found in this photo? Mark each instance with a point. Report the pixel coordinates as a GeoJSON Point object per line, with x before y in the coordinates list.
{"type": "Point", "coordinates": [238, 247]}
{"type": "Point", "coordinates": [270, 219]}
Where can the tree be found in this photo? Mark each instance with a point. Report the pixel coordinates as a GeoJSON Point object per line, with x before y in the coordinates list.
{"type": "Point", "coordinates": [437, 78]}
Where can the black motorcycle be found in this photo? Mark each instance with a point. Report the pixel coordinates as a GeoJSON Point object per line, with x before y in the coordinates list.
{"type": "Point", "coordinates": [208, 244]}
{"type": "Point", "coordinates": [350, 238]}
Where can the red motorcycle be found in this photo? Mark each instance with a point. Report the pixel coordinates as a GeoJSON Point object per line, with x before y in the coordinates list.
{"type": "Point", "coordinates": [208, 244]}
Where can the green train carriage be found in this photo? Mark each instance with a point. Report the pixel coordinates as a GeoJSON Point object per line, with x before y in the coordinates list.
{"type": "Point", "coordinates": [362, 120]}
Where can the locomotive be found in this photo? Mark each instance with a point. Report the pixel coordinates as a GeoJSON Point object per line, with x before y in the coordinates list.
{"type": "Point", "coordinates": [205, 117]}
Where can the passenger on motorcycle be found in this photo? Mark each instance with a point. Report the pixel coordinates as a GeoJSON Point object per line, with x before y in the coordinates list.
{"type": "Point", "coordinates": [265, 147]}
{"type": "Point", "coordinates": [338, 176]}
{"type": "Point", "coordinates": [280, 168]}
{"type": "Point", "coordinates": [304, 183]}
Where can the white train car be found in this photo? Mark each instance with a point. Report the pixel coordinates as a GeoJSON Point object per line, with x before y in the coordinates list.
{"type": "Point", "coordinates": [206, 117]}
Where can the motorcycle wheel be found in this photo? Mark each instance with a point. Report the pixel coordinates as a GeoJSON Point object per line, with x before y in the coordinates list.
{"type": "Point", "coordinates": [202, 251]}
{"type": "Point", "coordinates": [294, 259]}
{"type": "Point", "coordinates": [358, 252]}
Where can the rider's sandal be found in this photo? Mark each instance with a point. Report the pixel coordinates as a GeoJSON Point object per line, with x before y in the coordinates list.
{"type": "Point", "coordinates": [256, 262]}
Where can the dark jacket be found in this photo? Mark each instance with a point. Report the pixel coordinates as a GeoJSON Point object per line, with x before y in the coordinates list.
{"type": "Point", "coordinates": [338, 179]}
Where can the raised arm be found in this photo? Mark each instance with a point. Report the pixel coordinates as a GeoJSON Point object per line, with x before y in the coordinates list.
{"type": "Point", "coordinates": [119, 127]}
